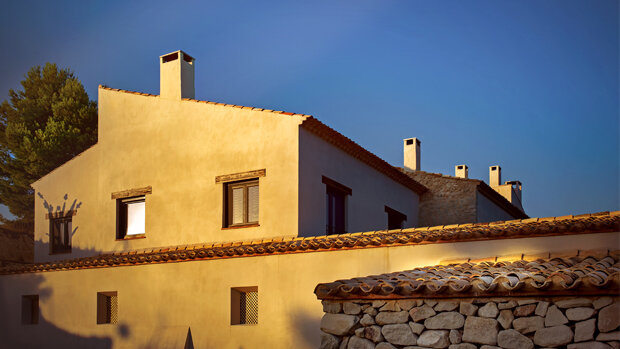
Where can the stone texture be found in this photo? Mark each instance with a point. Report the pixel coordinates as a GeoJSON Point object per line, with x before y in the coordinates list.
{"type": "Point", "coordinates": [614, 344]}
{"type": "Point", "coordinates": [331, 307]}
{"type": "Point", "coordinates": [416, 328]}
{"type": "Point", "coordinates": [345, 343]}
{"type": "Point", "coordinates": [360, 343]}
{"type": "Point", "coordinates": [588, 345]}
{"type": "Point", "coordinates": [524, 310]}
{"type": "Point", "coordinates": [367, 320]}
{"type": "Point", "coordinates": [505, 318]}
{"type": "Point", "coordinates": [446, 306]}
{"type": "Point", "coordinates": [466, 308]}
{"type": "Point", "coordinates": [329, 341]}
{"type": "Point", "coordinates": [430, 302]}
{"type": "Point", "coordinates": [462, 346]}
{"type": "Point", "coordinates": [399, 334]}
{"type": "Point", "coordinates": [373, 333]}
{"type": "Point", "coordinates": [573, 303]}
{"type": "Point", "coordinates": [371, 311]}
{"type": "Point", "coordinates": [608, 336]}
{"type": "Point", "coordinates": [553, 336]}
{"type": "Point", "coordinates": [338, 324]}
{"type": "Point", "coordinates": [511, 339]}
{"type": "Point", "coordinates": [421, 313]}
{"type": "Point", "coordinates": [351, 308]}
{"type": "Point", "coordinates": [445, 321]}
{"type": "Point", "coordinates": [378, 304]}
{"type": "Point", "coordinates": [526, 301]}
{"type": "Point", "coordinates": [609, 318]}
{"type": "Point", "coordinates": [602, 302]}
{"type": "Point", "coordinates": [456, 336]}
{"type": "Point", "coordinates": [488, 310]}
{"type": "Point", "coordinates": [434, 339]}
{"type": "Point", "coordinates": [489, 347]}
{"type": "Point", "coordinates": [480, 330]}
{"type": "Point", "coordinates": [406, 304]}
{"type": "Point", "coordinates": [360, 332]}
{"type": "Point", "coordinates": [528, 324]}
{"type": "Point", "coordinates": [385, 345]}
{"type": "Point", "coordinates": [389, 317]}
{"type": "Point", "coordinates": [508, 305]}
{"type": "Point", "coordinates": [390, 306]}
{"type": "Point", "coordinates": [584, 330]}
{"type": "Point", "coordinates": [578, 314]}
{"type": "Point", "coordinates": [541, 308]}
{"type": "Point", "coordinates": [555, 317]}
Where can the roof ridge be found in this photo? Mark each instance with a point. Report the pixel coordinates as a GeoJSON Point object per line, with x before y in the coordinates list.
{"type": "Point", "coordinates": [437, 174]}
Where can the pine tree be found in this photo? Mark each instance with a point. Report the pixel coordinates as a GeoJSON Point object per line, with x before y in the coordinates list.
{"type": "Point", "coordinates": [41, 127]}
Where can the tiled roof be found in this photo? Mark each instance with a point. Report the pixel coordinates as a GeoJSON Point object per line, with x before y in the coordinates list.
{"type": "Point", "coordinates": [330, 135]}
{"type": "Point", "coordinates": [551, 226]}
{"type": "Point", "coordinates": [591, 272]}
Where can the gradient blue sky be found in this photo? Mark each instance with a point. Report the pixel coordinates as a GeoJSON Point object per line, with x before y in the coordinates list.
{"type": "Point", "coordinates": [529, 85]}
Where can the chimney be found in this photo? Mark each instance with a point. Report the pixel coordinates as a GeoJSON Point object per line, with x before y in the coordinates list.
{"type": "Point", "coordinates": [461, 171]}
{"type": "Point", "coordinates": [411, 149]}
{"type": "Point", "coordinates": [176, 75]}
{"type": "Point", "coordinates": [495, 176]}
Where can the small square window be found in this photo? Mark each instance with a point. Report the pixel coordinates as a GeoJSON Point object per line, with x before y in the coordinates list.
{"type": "Point", "coordinates": [396, 220]}
{"type": "Point", "coordinates": [131, 213]}
{"type": "Point", "coordinates": [60, 235]}
{"type": "Point", "coordinates": [241, 203]}
{"type": "Point", "coordinates": [107, 307]}
{"type": "Point", "coordinates": [244, 305]}
{"type": "Point", "coordinates": [30, 310]}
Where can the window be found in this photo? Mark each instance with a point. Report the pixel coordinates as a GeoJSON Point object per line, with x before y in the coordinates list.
{"type": "Point", "coordinates": [396, 220]}
{"type": "Point", "coordinates": [30, 310]}
{"type": "Point", "coordinates": [60, 235]}
{"type": "Point", "coordinates": [336, 197]}
{"type": "Point", "coordinates": [244, 305]}
{"type": "Point", "coordinates": [241, 203]}
{"type": "Point", "coordinates": [107, 307]}
{"type": "Point", "coordinates": [130, 217]}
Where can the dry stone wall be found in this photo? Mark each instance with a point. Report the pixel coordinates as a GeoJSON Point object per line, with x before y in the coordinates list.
{"type": "Point", "coordinates": [486, 323]}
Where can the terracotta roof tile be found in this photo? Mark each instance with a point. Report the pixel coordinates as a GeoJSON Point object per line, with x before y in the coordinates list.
{"type": "Point", "coordinates": [554, 276]}
{"type": "Point", "coordinates": [608, 222]}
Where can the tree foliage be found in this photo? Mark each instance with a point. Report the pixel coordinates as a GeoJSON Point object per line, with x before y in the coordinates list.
{"type": "Point", "coordinates": [42, 126]}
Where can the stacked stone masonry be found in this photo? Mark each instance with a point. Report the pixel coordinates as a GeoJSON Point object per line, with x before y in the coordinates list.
{"type": "Point", "coordinates": [486, 323]}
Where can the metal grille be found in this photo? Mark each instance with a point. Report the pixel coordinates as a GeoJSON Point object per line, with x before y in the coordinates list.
{"type": "Point", "coordinates": [249, 307]}
{"type": "Point", "coordinates": [111, 307]}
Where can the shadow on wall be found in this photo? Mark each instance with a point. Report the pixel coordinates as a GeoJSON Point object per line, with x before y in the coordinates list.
{"type": "Point", "coordinates": [15, 334]}
{"type": "Point", "coordinates": [308, 327]}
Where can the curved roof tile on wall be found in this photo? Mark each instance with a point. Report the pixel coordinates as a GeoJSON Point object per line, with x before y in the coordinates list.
{"type": "Point", "coordinates": [532, 227]}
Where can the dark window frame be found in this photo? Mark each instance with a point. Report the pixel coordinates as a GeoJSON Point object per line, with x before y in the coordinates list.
{"type": "Point", "coordinates": [393, 217]}
{"type": "Point", "coordinates": [240, 314]}
{"type": "Point", "coordinates": [121, 217]}
{"type": "Point", "coordinates": [336, 206]}
{"type": "Point", "coordinates": [228, 203]}
{"type": "Point", "coordinates": [56, 247]}
{"type": "Point", "coordinates": [107, 312]}
{"type": "Point", "coordinates": [30, 309]}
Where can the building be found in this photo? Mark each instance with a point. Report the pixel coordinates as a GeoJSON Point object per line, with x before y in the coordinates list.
{"type": "Point", "coordinates": [202, 224]}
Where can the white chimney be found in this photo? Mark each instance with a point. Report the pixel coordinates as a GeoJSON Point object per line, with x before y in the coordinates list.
{"type": "Point", "coordinates": [495, 176]}
{"type": "Point", "coordinates": [411, 147]}
{"type": "Point", "coordinates": [461, 171]}
{"type": "Point", "coordinates": [176, 75]}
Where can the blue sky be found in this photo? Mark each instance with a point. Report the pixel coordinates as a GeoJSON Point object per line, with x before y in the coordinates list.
{"type": "Point", "coordinates": [529, 85]}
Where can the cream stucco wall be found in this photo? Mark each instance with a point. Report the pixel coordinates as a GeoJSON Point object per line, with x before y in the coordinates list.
{"type": "Point", "coordinates": [158, 303]}
{"type": "Point", "coordinates": [488, 211]}
{"type": "Point", "coordinates": [177, 147]}
{"type": "Point", "coordinates": [372, 190]}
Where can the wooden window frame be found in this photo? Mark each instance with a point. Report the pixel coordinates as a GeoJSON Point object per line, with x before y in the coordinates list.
{"type": "Point", "coordinates": [396, 215]}
{"type": "Point", "coordinates": [52, 232]}
{"type": "Point", "coordinates": [228, 203]}
{"type": "Point", "coordinates": [333, 189]}
{"type": "Point", "coordinates": [121, 217]}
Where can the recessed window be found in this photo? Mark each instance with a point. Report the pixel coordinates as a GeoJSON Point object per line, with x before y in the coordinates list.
{"type": "Point", "coordinates": [396, 220]}
{"type": "Point", "coordinates": [336, 202]}
{"type": "Point", "coordinates": [241, 203]}
{"type": "Point", "coordinates": [107, 307]}
{"type": "Point", "coordinates": [30, 310]}
{"type": "Point", "coordinates": [131, 217]}
{"type": "Point", "coordinates": [60, 235]}
{"type": "Point", "coordinates": [244, 305]}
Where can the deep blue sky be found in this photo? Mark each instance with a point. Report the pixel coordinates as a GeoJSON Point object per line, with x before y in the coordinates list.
{"type": "Point", "coordinates": [529, 85]}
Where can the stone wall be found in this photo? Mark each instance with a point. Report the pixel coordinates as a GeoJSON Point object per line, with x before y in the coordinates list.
{"type": "Point", "coordinates": [515, 323]}
{"type": "Point", "coordinates": [16, 248]}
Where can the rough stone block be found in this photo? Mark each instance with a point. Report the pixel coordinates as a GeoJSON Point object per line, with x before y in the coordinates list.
{"type": "Point", "coordinates": [584, 330]}
{"type": "Point", "coordinates": [399, 334]}
{"type": "Point", "coordinates": [524, 310]}
{"type": "Point", "coordinates": [371, 311]}
{"type": "Point", "coordinates": [511, 339]}
{"type": "Point", "coordinates": [385, 345]}
{"type": "Point", "coordinates": [373, 333]}
{"type": "Point", "coordinates": [329, 341]}
{"type": "Point", "coordinates": [588, 345]}
{"type": "Point", "coordinates": [351, 308]}
{"type": "Point", "coordinates": [580, 313]}
{"type": "Point", "coordinates": [338, 324]}
{"type": "Point", "coordinates": [488, 310]}
{"type": "Point", "coordinates": [609, 318]}
{"type": "Point", "coordinates": [445, 321]}
{"type": "Point", "coordinates": [456, 336]}
{"type": "Point", "coordinates": [332, 307]}
{"type": "Point", "coordinates": [344, 343]}
{"type": "Point", "coordinates": [526, 301]}
{"type": "Point", "coordinates": [528, 324]}
{"type": "Point", "coordinates": [378, 304]}
{"type": "Point", "coordinates": [553, 336]}
{"type": "Point", "coordinates": [421, 313]}
{"type": "Point", "coordinates": [390, 306]}
{"type": "Point", "coordinates": [555, 317]}
{"type": "Point", "coordinates": [389, 317]}
{"type": "Point", "coordinates": [608, 336]}
{"type": "Point", "coordinates": [416, 328]}
{"type": "Point", "coordinates": [430, 302]}
{"type": "Point", "coordinates": [573, 303]}
{"type": "Point", "coordinates": [367, 320]}
{"type": "Point", "coordinates": [507, 305]}
{"type": "Point", "coordinates": [505, 318]}
{"type": "Point", "coordinates": [462, 346]}
{"type": "Point", "coordinates": [446, 306]}
{"type": "Point", "coordinates": [434, 339]}
{"type": "Point", "coordinates": [360, 343]}
{"type": "Point", "coordinates": [602, 302]}
{"type": "Point", "coordinates": [480, 330]}
{"type": "Point", "coordinates": [541, 308]}
{"type": "Point", "coordinates": [466, 308]}
{"type": "Point", "coordinates": [406, 304]}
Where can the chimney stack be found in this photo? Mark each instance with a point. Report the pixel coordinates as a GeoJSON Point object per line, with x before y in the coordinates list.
{"type": "Point", "coordinates": [461, 171]}
{"type": "Point", "coordinates": [411, 147]}
{"type": "Point", "coordinates": [176, 75]}
{"type": "Point", "coordinates": [495, 176]}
